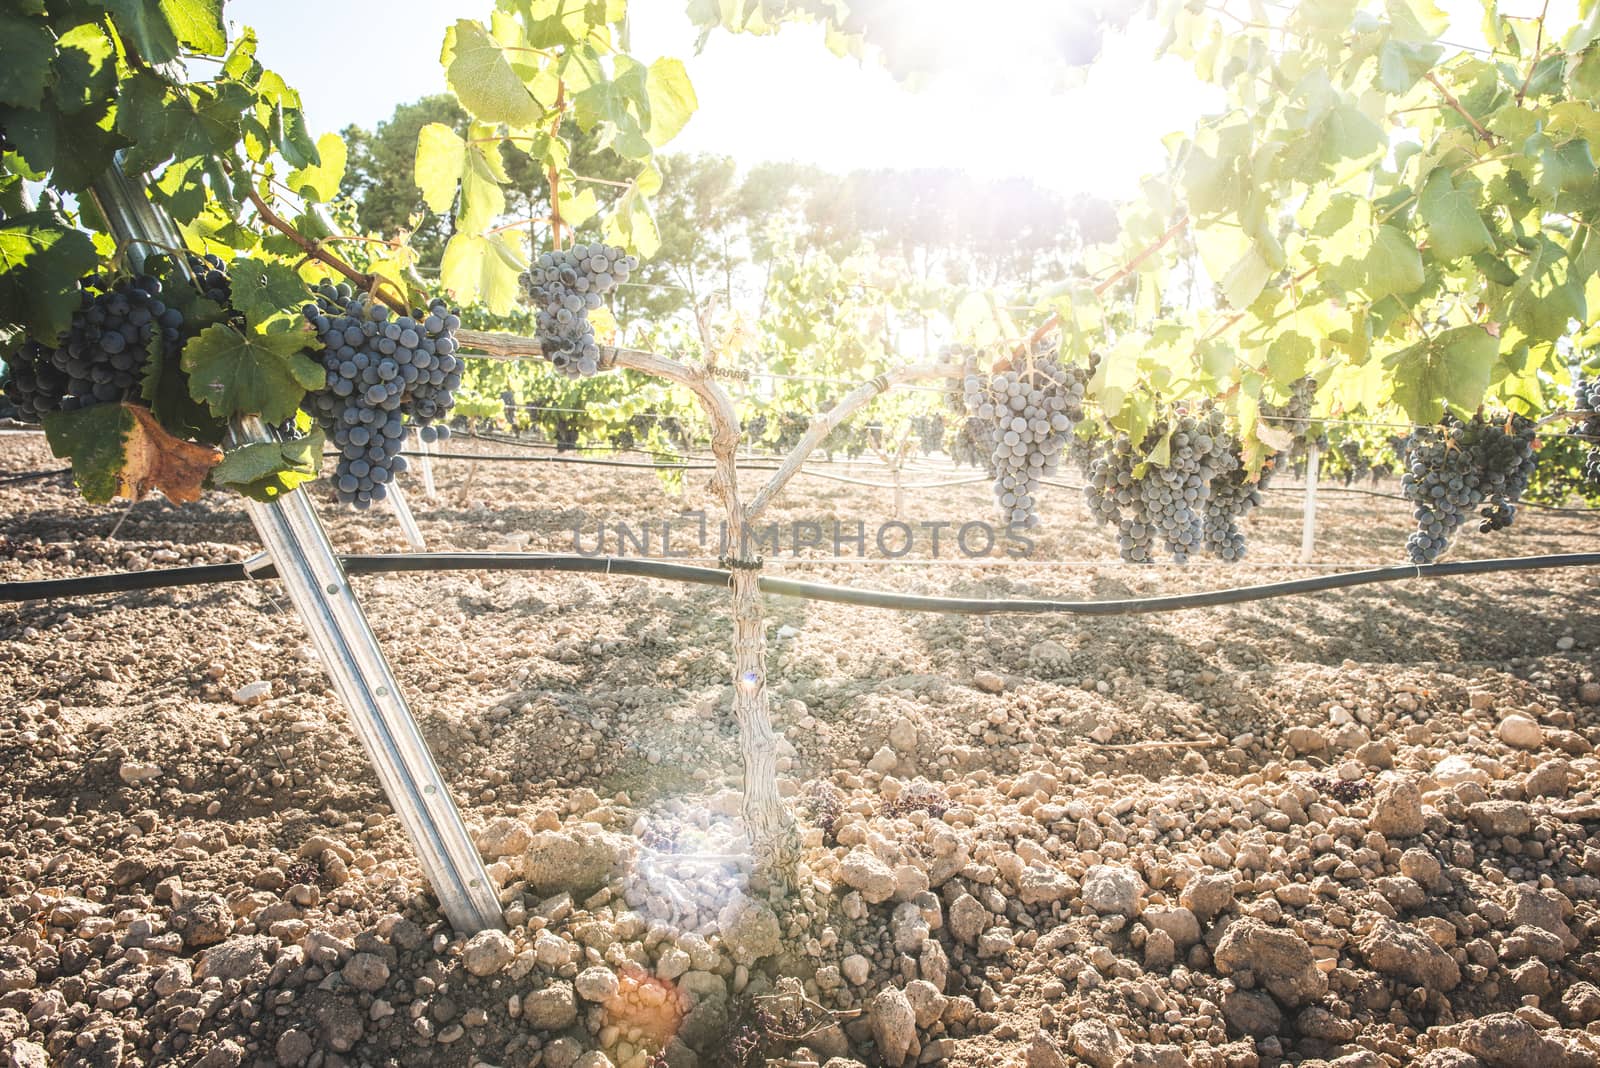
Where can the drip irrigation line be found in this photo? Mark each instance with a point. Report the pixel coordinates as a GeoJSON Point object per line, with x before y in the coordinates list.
{"type": "Point", "coordinates": [167, 578]}
{"type": "Point", "coordinates": [1362, 490]}
{"type": "Point", "coordinates": [1322, 488]}
{"type": "Point", "coordinates": [589, 460]}
{"type": "Point", "coordinates": [743, 457]}
{"type": "Point", "coordinates": [33, 476]}
{"type": "Point", "coordinates": [1308, 420]}
{"type": "Point", "coordinates": [811, 472]}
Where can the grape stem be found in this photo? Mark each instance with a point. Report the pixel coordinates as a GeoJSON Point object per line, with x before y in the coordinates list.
{"type": "Point", "coordinates": [313, 249]}
{"type": "Point", "coordinates": [555, 173]}
{"type": "Point", "coordinates": [1455, 105]}
{"type": "Point", "coordinates": [1538, 48]}
{"type": "Point", "coordinates": [1102, 288]}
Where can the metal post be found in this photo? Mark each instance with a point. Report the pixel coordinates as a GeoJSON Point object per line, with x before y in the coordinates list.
{"type": "Point", "coordinates": [408, 522]}
{"type": "Point", "coordinates": [427, 469]}
{"type": "Point", "coordinates": [1308, 528]}
{"type": "Point", "coordinates": [321, 593]}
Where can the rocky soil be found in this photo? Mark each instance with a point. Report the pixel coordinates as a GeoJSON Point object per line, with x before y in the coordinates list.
{"type": "Point", "coordinates": [1354, 829]}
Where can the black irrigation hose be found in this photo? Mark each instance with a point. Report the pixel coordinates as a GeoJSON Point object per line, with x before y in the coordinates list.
{"type": "Point", "coordinates": [580, 460]}
{"type": "Point", "coordinates": [124, 582]}
{"type": "Point", "coordinates": [1295, 487]}
{"type": "Point", "coordinates": [33, 476]}
{"type": "Point", "coordinates": [550, 460]}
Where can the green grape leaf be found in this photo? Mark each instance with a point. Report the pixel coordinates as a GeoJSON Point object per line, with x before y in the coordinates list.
{"type": "Point", "coordinates": [320, 181]}
{"type": "Point", "coordinates": [1583, 74]}
{"type": "Point", "coordinates": [85, 69]}
{"type": "Point", "coordinates": [611, 106]}
{"type": "Point", "coordinates": [1417, 20]}
{"type": "Point", "coordinates": [119, 450]}
{"type": "Point", "coordinates": [1564, 168]}
{"type": "Point", "coordinates": [1348, 134]}
{"type": "Point", "coordinates": [144, 24]}
{"type": "Point", "coordinates": [1402, 63]}
{"type": "Point", "coordinates": [41, 260]}
{"type": "Point", "coordinates": [672, 100]}
{"type": "Point", "coordinates": [95, 439]}
{"type": "Point", "coordinates": [181, 188]}
{"type": "Point", "coordinates": [1246, 278]}
{"type": "Point", "coordinates": [441, 159]}
{"type": "Point", "coordinates": [479, 268]}
{"type": "Point", "coordinates": [482, 199]}
{"type": "Point", "coordinates": [483, 79]}
{"type": "Point", "coordinates": [241, 61]}
{"type": "Point", "coordinates": [631, 225]}
{"type": "Point", "coordinates": [166, 391]}
{"type": "Point", "coordinates": [1495, 269]}
{"type": "Point", "coordinates": [158, 27]}
{"type": "Point", "coordinates": [265, 470]}
{"type": "Point", "coordinates": [250, 373]}
{"type": "Point", "coordinates": [263, 289]}
{"type": "Point", "coordinates": [1544, 318]}
{"type": "Point", "coordinates": [279, 106]}
{"type": "Point", "coordinates": [578, 206]}
{"type": "Point", "coordinates": [86, 143]}
{"type": "Point", "coordinates": [145, 120]}
{"type": "Point", "coordinates": [1451, 215]}
{"type": "Point", "coordinates": [1209, 182]}
{"type": "Point", "coordinates": [1451, 368]}
{"type": "Point", "coordinates": [1288, 357]}
{"type": "Point", "coordinates": [197, 24]}
{"type": "Point", "coordinates": [1393, 264]}
{"type": "Point", "coordinates": [26, 70]}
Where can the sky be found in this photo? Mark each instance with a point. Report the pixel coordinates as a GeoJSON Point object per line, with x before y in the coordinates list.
{"type": "Point", "coordinates": [784, 97]}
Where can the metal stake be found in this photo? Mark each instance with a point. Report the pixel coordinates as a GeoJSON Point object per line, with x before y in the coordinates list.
{"type": "Point", "coordinates": [402, 513]}
{"type": "Point", "coordinates": [1308, 522]}
{"type": "Point", "coordinates": [321, 593]}
{"type": "Point", "coordinates": [427, 468]}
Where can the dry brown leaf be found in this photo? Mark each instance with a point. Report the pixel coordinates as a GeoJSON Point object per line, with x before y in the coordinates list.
{"type": "Point", "coordinates": [157, 460]}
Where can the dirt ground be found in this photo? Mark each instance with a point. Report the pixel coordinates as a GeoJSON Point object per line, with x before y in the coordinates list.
{"type": "Point", "coordinates": [1356, 827]}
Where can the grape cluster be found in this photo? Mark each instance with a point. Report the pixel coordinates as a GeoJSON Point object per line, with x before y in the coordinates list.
{"type": "Point", "coordinates": [823, 805]}
{"type": "Point", "coordinates": [211, 278]}
{"type": "Point", "coordinates": [1505, 462]}
{"type": "Point", "coordinates": [1232, 496]}
{"type": "Point", "coordinates": [1294, 416]}
{"type": "Point", "coordinates": [102, 357]}
{"type": "Point", "coordinates": [1457, 466]}
{"type": "Point", "coordinates": [1586, 398]}
{"type": "Point", "coordinates": [918, 797]}
{"type": "Point", "coordinates": [1159, 506]}
{"type": "Point", "coordinates": [1345, 791]}
{"type": "Point", "coordinates": [1356, 463]}
{"type": "Point", "coordinates": [1018, 422]}
{"type": "Point", "coordinates": [565, 286]}
{"type": "Point", "coordinates": [382, 371]}
{"type": "Point", "coordinates": [929, 430]}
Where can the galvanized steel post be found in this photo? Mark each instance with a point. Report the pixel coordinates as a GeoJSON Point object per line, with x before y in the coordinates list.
{"type": "Point", "coordinates": [321, 593]}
